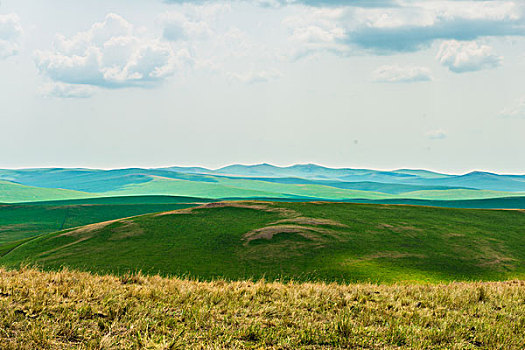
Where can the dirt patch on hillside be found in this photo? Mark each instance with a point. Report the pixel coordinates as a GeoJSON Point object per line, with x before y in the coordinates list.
{"type": "Point", "coordinates": [270, 231]}
{"type": "Point", "coordinates": [17, 227]}
{"type": "Point", "coordinates": [267, 206]}
{"type": "Point", "coordinates": [494, 256]}
{"type": "Point", "coordinates": [500, 262]}
{"type": "Point", "coordinates": [126, 230]}
{"type": "Point", "coordinates": [453, 235]}
{"type": "Point", "coordinates": [302, 220]}
{"type": "Point", "coordinates": [89, 228]}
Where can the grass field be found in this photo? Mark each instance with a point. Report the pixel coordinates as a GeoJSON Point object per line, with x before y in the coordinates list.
{"type": "Point", "coordinates": [301, 241]}
{"type": "Point", "coordinates": [59, 310]}
{"type": "Point", "coordinates": [13, 193]}
{"type": "Point", "coordinates": [25, 220]}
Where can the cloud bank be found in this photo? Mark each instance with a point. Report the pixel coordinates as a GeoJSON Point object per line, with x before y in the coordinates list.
{"type": "Point", "coordinates": [409, 27]}
{"type": "Point", "coordinates": [10, 35]}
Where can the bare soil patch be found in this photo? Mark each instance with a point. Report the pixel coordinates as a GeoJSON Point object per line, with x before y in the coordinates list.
{"type": "Point", "coordinates": [302, 220]}
{"type": "Point", "coordinates": [126, 230]}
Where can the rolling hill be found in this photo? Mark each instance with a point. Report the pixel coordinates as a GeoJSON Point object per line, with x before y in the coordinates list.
{"type": "Point", "coordinates": [11, 192]}
{"type": "Point", "coordinates": [24, 220]}
{"type": "Point", "coordinates": [307, 182]}
{"type": "Point", "coordinates": [301, 241]}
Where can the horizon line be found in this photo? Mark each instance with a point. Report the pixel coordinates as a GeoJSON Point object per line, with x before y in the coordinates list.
{"type": "Point", "coordinates": [261, 164]}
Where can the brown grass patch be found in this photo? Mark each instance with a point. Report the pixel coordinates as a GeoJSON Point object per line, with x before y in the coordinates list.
{"type": "Point", "coordinates": [399, 228]}
{"type": "Point", "coordinates": [127, 229]}
{"type": "Point", "coordinates": [270, 231]}
{"type": "Point", "coordinates": [12, 227]}
{"type": "Point", "coordinates": [89, 228]}
{"type": "Point", "coordinates": [302, 220]}
{"type": "Point", "coordinates": [454, 235]}
{"type": "Point", "coordinates": [75, 310]}
{"type": "Point", "coordinates": [267, 206]}
{"type": "Point", "coordinates": [393, 255]}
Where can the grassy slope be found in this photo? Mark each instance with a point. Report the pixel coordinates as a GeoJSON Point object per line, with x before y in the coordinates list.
{"type": "Point", "coordinates": [20, 221]}
{"type": "Point", "coordinates": [64, 309]}
{"type": "Point", "coordinates": [364, 242]}
{"type": "Point", "coordinates": [488, 203]}
{"type": "Point", "coordinates": [11, 193]}
{"type": "Point", "coordinates": [165, 186]}
{"type": "Point", "coordinates": [458, 194]}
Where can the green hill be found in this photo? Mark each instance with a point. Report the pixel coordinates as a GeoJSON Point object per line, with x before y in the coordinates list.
{"type": "Point", "coordinates": [21, 221]}
{"type": "Point", "coordinates": [11, 192]}
{"type": "Point", "coordinates": [303, 241]}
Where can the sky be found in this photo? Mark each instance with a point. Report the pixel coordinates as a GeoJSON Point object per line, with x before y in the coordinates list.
{"type": "Point", "coordinates": [383, 84]}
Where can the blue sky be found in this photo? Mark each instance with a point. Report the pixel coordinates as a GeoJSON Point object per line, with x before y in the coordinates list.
{"type": "Point", "coordinates": [379, 84]}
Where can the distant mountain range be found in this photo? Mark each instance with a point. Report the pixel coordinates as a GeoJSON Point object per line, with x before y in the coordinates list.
{"type": "Point", "coordinates": [301, 181]}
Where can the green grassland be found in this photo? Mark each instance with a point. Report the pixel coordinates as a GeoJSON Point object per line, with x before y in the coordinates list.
{"type": "Point", "coordinates": [21, 221]}
{"type": "Point", "coordinates": [301, 241]}
{"type": "Point", "coordinates": [73, 310]}
{"type": "Point", "coordinates": [12, 192]}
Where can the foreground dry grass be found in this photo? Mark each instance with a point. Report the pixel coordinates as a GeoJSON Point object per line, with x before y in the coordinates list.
{"type": "Point", "coordinates": [56, 310]}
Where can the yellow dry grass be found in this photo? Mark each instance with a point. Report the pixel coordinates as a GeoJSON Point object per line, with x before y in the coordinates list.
{"type": "Point", "coordinates": [77, 310]}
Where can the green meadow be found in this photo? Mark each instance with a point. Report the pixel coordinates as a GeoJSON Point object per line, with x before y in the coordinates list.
{"type": "Point", "coordinates": [26, 220]}
{"type": "Point", "coordinates": [303, 241]}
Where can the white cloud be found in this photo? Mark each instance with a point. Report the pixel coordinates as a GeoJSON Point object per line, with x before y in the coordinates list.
{"type": "Point", "coordinates": [218, 45]}
{"type": "Point", "coordinates": [256, 77]}
{"type": "Point", "coordinates": [516, 110]}
{"type": "Point", "coordinates": [315, 3]}
{"type": "Point", "coordinates": [468, 56]}
{"type": "Point", "coordinates": [10, 35]}
{"type": "Point", "coordinates": [110, 55]}
{"type": "Point", "coordinates": [437, 134]}
{"type": "Point", "coordinates": [67, 90]}
{"type": "Point", "coordinates": [411, 26]}
{"type": "Point", "coordinates": [317, 30]}
{"type": "Point", "coordinates": [398, 74]}
{"type": "Point", "coordinates": [192, 22]}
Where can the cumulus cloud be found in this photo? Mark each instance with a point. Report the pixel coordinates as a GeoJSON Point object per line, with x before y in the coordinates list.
{"type": "Point", "coordinates": [461, 57]}
{"type": "Point", "coordinates": [10, 35]}
{"type": "Point", "coordinates": [437, 134]}
{"type": "Point", "coordinates": [398, 74]}
{"type": "Point", "coordinates": [411, 26]}
{"type": "Point", "coordinates": [516, 110]}
{"type": "Point", "coordinates": [110, 55]}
